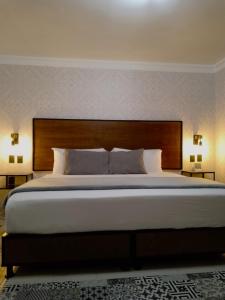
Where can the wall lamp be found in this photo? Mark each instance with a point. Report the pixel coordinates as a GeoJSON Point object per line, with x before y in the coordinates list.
{"type": "Point", "coordinates": [15, 141]}
{"type": "Point", "coordinates": [197, 139]}
{"type": "Point", "coordinates": [15, 138]}
{"type": "Point", "coordinates": [196, 158]}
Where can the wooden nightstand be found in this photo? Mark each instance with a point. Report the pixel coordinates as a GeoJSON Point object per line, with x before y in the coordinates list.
{"type": "Point", "coordinates": [14, 180]}
{"type": "Point", "coordinates": [198, 173]}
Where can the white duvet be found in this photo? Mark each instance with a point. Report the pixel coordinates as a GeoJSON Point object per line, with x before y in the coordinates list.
{"type": "Point", "coordinates": [48, 212]}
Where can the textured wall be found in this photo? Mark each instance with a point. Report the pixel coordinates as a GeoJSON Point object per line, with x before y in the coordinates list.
{"type": "Point", "coordinates": [28, 92]}
{"type": "Point", "coordinates": [220, 124]}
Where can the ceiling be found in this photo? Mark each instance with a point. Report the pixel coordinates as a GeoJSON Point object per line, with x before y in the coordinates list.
{"type": "Point", "coordinates": [176, 31]}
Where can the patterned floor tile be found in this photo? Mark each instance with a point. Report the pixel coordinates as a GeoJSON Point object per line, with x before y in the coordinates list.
{"type": "Point", "coordinates": [200, 286]}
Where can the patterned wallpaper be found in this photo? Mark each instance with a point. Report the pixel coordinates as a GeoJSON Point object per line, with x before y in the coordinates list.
{"type": "Point", "coordinates": [220, 124]}
{"type": "Point", "coordinates": [56, 92]}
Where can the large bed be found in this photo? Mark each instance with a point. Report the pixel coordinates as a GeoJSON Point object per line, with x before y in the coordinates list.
{"type": "Point", "coordinates": [122, 219]}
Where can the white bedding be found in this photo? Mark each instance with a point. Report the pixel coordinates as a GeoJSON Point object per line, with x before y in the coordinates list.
{"type": "Point", "coordinates": [126, 209]}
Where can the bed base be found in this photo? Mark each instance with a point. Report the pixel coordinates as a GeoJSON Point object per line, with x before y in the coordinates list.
{"type": "Point", "coordinates": [128, 249]}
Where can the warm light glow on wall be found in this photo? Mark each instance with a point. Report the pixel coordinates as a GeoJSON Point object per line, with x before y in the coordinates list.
{"type": "Point", "coordinates": [5, 147]}
{"type": "Point", "coordinates": [220, 148]}
{"type": "Point", "coordinates": [189, 149]}
{"type": "Point", "coordinates": [23, 148]}
{"type": "Point", "coordinates": [135, 2]}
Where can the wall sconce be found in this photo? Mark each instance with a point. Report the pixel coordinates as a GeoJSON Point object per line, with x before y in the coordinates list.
{"type": "Point", "coordinates": [197, 139]}
{"type": "Point", "coordinates": [15, 138]}
{"type": "Point", "coordinates": [15, 141]}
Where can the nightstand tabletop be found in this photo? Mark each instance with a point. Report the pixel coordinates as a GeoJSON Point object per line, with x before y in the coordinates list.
{"type": "Point", "coordinates": [17, 174]}
{"type": "Point", "coordinates": [10, 179]}
{"type": "Point", "coordinates": [198, 172]}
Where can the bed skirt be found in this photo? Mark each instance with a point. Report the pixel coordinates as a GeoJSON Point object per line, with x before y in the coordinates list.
{"type": "Point", "coordinates": [124, 248]}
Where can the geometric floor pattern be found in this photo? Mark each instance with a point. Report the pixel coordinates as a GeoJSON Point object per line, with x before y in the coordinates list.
{"type": "Point", "coordinates": [196, 286]}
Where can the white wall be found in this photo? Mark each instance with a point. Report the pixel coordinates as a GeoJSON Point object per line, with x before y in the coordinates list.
{"type": "Point", "coordinates": [220, 124]}
{"type": "Point", "coordinates": [56, 92]}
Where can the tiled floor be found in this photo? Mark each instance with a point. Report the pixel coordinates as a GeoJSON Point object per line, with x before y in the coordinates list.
{"type": "Point", "coordinates": [196, 286]}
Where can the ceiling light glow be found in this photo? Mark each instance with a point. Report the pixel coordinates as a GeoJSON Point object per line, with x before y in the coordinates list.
{"type": "Point", "coordinates": [136, 2]}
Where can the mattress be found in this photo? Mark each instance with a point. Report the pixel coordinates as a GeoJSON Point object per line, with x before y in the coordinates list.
{"type": "Point", "coordinates": [49, 212]}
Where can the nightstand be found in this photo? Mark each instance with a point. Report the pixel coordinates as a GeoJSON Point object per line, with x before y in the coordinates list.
{"type": "Point", "coordinates": [198, 173]}
{"type": "Point", "coordinates": [14, 180]}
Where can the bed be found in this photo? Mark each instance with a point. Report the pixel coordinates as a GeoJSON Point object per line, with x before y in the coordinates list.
{"type": "Point", "coordinates": [134, 223]}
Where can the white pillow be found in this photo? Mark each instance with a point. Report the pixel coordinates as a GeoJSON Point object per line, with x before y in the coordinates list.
{"type": "Point", "coordinates": [151, 157]}
{"type": "Point", "coordinates": [59, 159]}
{"type": "Point", "coordinates": [153, 160]}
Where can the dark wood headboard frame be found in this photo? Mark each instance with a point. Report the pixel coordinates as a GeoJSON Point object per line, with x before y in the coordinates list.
{"type": "Point", "coordinates": [85, 134]}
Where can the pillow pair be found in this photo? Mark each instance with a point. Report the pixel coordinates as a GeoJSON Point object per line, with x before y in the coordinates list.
{"type": "Point", "coordinates": [104, 162]}
{"type": "Point", "coordinates": [151, 157]}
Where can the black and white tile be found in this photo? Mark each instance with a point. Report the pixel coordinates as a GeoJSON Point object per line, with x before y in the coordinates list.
{"type": "Point", "coordinates": [195, 286]}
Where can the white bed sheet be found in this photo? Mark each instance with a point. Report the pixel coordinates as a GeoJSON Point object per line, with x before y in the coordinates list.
{"type": "Point", "coordinates": [46, 212]}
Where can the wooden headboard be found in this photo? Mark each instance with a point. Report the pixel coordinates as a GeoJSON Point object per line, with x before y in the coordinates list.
{"type": "Point", "coordinates": [84, 134]}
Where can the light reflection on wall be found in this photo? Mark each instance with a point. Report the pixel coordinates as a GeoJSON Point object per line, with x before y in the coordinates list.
{"type": "Point", "coordinates": [220, 148]}
{"type": "Point", "coordinates": [189, 149]}
{"type": "Point", "coordinates": [220, 155]}
{"type": "Point", "coordinates": [24, 148]}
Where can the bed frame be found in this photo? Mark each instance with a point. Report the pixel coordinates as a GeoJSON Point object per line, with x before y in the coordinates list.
{"type": "Point", "coordinates": [126, 248]}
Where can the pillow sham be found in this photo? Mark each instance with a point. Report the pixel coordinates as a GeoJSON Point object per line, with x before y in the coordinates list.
{"type": "Point", "coordinates": [59, 158]}
{"type": "Point", "coordinates": [126, 162]}
{"type": "Point", "coordinates": [86, 162]}
{"type": "Point", "coordinates": [151, 157]}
